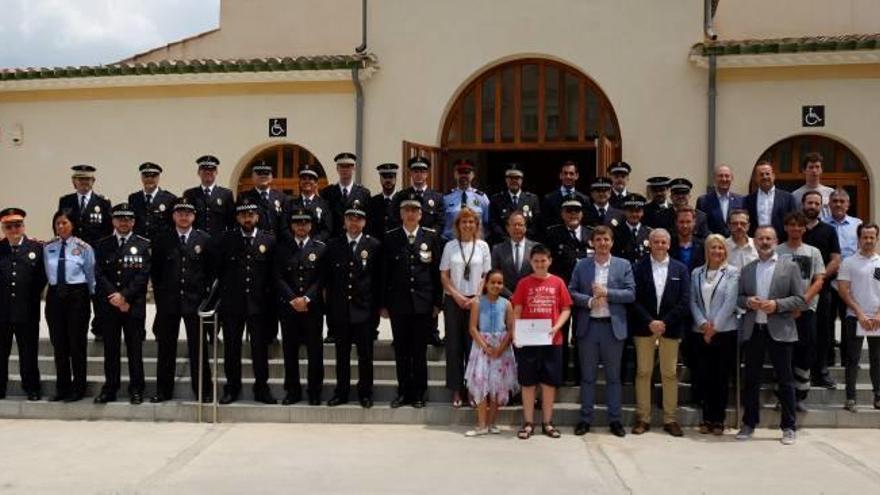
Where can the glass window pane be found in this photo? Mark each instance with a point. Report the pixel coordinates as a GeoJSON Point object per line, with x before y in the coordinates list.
{"type": "Point", "coordinates": [785, 157]}
{"type": "Point", "coordinates": [826, 148]}
{"type": "Point", "coordinates": [507, 111]}
{"type": "Point", "coordinates": [851, 163]}
{"type": "Point", "coordinates": [452, 135]}
{"type": "Point", "coordinates": [488, 110]}
{"type": "Point", "coordinates": [610, 128]}
{"type": "Point", "coordinates": [572, 106]}
{"type": "Point", "coordinates": [529, 105]}
{"type": "Point", "coordinates": [592, 114]}
{"type": "Point", "coordinates": [551, 103]}
{"type": "Point", "coordinates": [804, 146]}
{"type": "Point", "coordinates": [287, 168]}
{"type": "Point", "coordinates": [470, 117]}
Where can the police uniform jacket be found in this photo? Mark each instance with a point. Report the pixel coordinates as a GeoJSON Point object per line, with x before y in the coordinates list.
{"type": "Point", "coordinates": [551, 209]}
{"type": "Point", "coordinates": [566, 250]}
{"type": "Point", "coordinates": [501, 205]}
{"type": "Point", "coordinates": [299, 272]}
{"type": "Point", "coordinates": [653, 210]}
{"type": "Point", "coordinates": [333, 196]}
{"type": "Point", "coordinates": [215, 213]}
{"type": "Point", "coordinates": [628, 247]}
{"type": "Point", "coordinates": [321, 216]}
{"type": "Point", "coordinates": [613, 216]}
{"type": "Point", "coordinates": [432, 208]}
{"type": "Point", "coordinates": [125, 270]}
{"type": "Point", "coordinates": [94, 222]}
{"type": "Point", "coordinates": [149, 222]}
{"type": "Point", "coordinates": [353, 279]}
{"type": "Point", "coordinates": [272, 210]}
{"type": "Point", "coordinates": [617, 199]}
{"type": "Point", "coordinates": [22, 279]}
{"type": "Point", "coordinates": [245, 273]}
{"type": "Point", "coordinates": [379, 215]}
{"type": "Point", "coordinates": [411, 279]}
{"type": "Point", "coordinates": [182, 274]}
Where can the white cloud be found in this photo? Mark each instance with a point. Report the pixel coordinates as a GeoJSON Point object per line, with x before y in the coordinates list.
{"type": "Point", "coordinates": [87, 32]}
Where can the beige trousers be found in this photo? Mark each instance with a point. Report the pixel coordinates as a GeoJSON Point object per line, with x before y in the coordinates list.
{"type": "Point", "coordinates": [645, 350]}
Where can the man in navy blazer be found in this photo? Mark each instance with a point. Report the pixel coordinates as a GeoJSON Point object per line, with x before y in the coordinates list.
{"type": "Point", "coordinates": [600, 288]}
{"type": "Point", "coordinates": [659, 318]}
{"type": "Point", "coordinates": [768, 204]}
{"type": "Point", "coordinates": [718, 204]}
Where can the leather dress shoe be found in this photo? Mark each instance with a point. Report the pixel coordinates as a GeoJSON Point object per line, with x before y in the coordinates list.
{"type": "Point", "coordinates": [2, 394]}
{"type": "Point", "coordinates": [228, 398]}
{"type": "Point", "coordinates": [136, 398]}
{"type": "Point", "coordinates": [825, 382]}
{"type": "Point", "coordinates": [418, 403]}
{"type": "Point", "coordinates": [673, 429]}
{"type": "Point", "coordinates": [105, 397]}
{"type": "Point", "coordinates": [314, 400]}
{"type": "Point", "coordinates": [366, 402]}
{"type": "Point", "coordinates": [207, 398]}
{"type": "Point", "coordinates": [75, 396]}
{"type": "Point", "coordinates": [34, 396]}
{"type": "Point", "coordinates": [640, 427]}
{"type": "Point", "coordinates": [399, 401]}
{"type": "Point", "coordinates": [158, 398]}
{"type": "Point", "coordinates": [582, 428]}
{"type": "Point", "coordinates": [265, 397]}
{"type": "Point", "coordinates": [291, 398]}
{"type": "Point", "coordinates": [336, 401]}
{"type": "Point", "coordinates": [617, 429]}
{"type": "Point", "coordinates": [436, 341]}
{"type": "Point", "coordinates": [330, 340]}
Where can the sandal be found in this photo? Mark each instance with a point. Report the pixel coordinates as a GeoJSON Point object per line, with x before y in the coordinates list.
{"type": "Point", "coordinates": [456, 403]}
{"type": "Point", "coordinates": [525, 432]}
{"type": "Point", "coordinates": [549, 430]}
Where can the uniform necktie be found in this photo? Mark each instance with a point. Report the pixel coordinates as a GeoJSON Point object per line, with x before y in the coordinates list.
{"type": "Point", "coordinates": [515, 200]}
{"type": "Point", "coordinates": [601, 215]}
{"type": "Point", "coordinates": [121, 242]}
{"type": "Point", "coordinates": [61, 273]}
{"type": "Point", "coordinates": [351, 246]}
{"type": "Point", "coordinates": [82, 204]}
{"type": "Point", "coordinates": [265, 195]}
{"type": "Point", "coordinates": [149, 200]}
{"type": "Point", "coordinates": [249, 240]}
{"type": "Point", "coordinates": [516, 258]}
{"type": "Point", "coordinates": [344, 194]}
{"type": "Point", "coordinates": [568, 192]}
{"type": "Point", "coordinates": [183, 240]}
{"type": "Point", "coordinates": [573, 234]}
{"type": "Point", "coordinates": [14, 250]}
{"type": "Point", "coordinates": [412, 238]}
{"type": "Point", "coordinates": [635, 232]}
{"type": "Point", "coordinates": [299, 244]}
{"type": "Point", "coordinates": [207, 192]}
{"type": "Point", "coordinates": [464, 198]}
{"type": "Point", "coordinates": [306, 202]}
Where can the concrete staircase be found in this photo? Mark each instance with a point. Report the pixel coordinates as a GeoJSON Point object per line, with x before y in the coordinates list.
{"type": "Point", "coordinates": [825, 406]}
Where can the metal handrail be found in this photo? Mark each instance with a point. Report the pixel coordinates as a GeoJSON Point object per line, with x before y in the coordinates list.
{"type": "Point", "coordinates": [208, 314]}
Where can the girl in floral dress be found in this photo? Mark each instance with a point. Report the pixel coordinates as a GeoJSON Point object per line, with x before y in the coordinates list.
{"type": "Point", "coordinates": [491, 369]}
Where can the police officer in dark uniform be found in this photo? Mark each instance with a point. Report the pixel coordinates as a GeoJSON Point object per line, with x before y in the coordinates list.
{"type": "Point", "coordinates": [569, 242]}
{"type": "Point", "coordinates": [244, 272]}
{"type": "Point", "coordinates": [215, 205]}
{"type": "Point", "coordinates": [354, 274]}
{"type": "Point", "coordinates": [680, 189]}
{"type": "Point", "coordinates": [657, 200]}
{"type": "Point", "coordinates": [92, 211]}
{"type": "Point", "coordinates": [122, 270]}
{"type": "Point", "coordinates": [310, 200]}
{"type": "Point", "coordinates": [379, 215]}
{"type": "Point", "coordinates": [341, 195]}
{"type": "Point", "coordinates": [151, 205]}
{"type": "Point", "coordinates": [271, 201]}
{"type": "Point", "coordinates": [298, 272]}
{"type": "Point", "coordinates": [22, 279]}
{"type": "Point", "coordinates": [619, 172]}
{"type": "Point", "coordinates": [599, 211]}
{"type": "Point", "coordinates": [512, 199]}
{"type": "Point", "coordinates": [433, 211]}
{"type": "Point", "coordinates": [411, 298]}
{"type": "Point", "coordinates": [631, 236]}
{"type": "Point", "coordinates": [183, 266]}
{"type": "Point", "coordinates": [551, 208]}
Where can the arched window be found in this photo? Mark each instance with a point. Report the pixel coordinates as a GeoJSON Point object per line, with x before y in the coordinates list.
{"type": "Point", "coordinates": [841, 167]}
{"type": "Point", "coordinates": [285, 160]}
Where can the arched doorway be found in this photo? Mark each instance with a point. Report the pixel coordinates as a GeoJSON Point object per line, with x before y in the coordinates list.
{"type": "Point", "coordinates": [285, 160]}
{"type": "Point", "coordinates": [841, 168]}
{"type": "Point", "coordinates": [534, 111]}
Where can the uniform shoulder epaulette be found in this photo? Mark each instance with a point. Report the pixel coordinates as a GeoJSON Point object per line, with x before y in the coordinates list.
{"type": "Point", "coordinates": [481, 193]}
{"type": "Point", "coordinates": [318, 241]}
{"type": "Point", "coordinates": [429, 229]}
{"type": "Point", "coordinates": [79, 242]}
{"type": "Point", "coordinates": [142, 238]}
{"type": "Point", "coordinates": [201, 231]}
{"type": "Point", "coordinates": [395, 229]}
{"type": "Point", "coordinates": [556, 226]}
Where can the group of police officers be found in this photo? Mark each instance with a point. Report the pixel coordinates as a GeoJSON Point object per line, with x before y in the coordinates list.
{"type": "Point", "coordinates": [339, 252]}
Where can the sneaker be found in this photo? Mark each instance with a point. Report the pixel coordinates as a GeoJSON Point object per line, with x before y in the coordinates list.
{"type": "Point", "coordinates": [745, 433]}
{"type": "Point", "coordinates": [850, 405]}
{"type": "Point", "coordinates": [788, 437]}
{"type": "Point", "coordinates": [801, 407]}
{"type": "Point", "coordinates": [478, 432]}
{"type": "Point", "coordinates": [494, 430]}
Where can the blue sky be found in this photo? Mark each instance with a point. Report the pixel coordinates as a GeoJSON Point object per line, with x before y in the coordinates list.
{"type": "Point", "coordinates": [44, 33]}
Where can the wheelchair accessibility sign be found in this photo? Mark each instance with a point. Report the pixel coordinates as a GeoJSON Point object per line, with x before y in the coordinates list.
{"type": "Point", "coordinates": [277, 127]}
{"type": "Point", "coordinates": [813, 116]}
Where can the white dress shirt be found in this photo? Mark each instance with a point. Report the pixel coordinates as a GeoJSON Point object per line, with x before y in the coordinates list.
{"type": "Point", "coordinates": [476, 255]}
{"type": "Point", "coordinates": [765, 206]}
{"type": "Point", "coordinates": [660, 270]}
{"type": "Point", "coordinates": [724, 202]}
{"type": "Point", "coordinates": [185, 234]}
{"type": "Point", "coordinates": [763, 278]}
{"type": "Point", "coordinates": [740, 256]}
{"type": "Point", "coordinates": [601, 278]}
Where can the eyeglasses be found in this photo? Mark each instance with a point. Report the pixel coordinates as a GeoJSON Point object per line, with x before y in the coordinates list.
{"type": "Point", "coordinates": [11, 226]}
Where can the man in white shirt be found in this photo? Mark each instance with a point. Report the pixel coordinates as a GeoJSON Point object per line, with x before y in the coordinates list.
{"type": "Point", "coordinates": [768, 204]}
{"type": "Point", "coordinates": [859, 286]}
{"type": "Point", "coordinates": [740, 247]}
{"type": "Point", "coordinates": [811, 165]}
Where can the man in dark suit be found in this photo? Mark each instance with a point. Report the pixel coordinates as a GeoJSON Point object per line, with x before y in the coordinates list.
{"type": "Point", "coordinates": [631, 236]}
{"type": "Point", "coordinates": [22, 279]}
{"type": "Point", "coordinates": [686, 246]}
{"type": "Point", "coordinates": [122, 271]}
{"type": "Point", "coordinates": [90, 209]}
{"type": "Point", "coordinates": [513, 199]}
{"type": "Point", "coordinates": [718, 204]}
{"type": "Point", "coordinates": [316, 205]}
{"type": "Point", "coordinates": [551, 208]}
{"type": "Point", "coordinates": [658, 319]}
{"type": "Point", "coordinates": [244, 272]}
{"type": "Point", "coordinates": [379, 208]}
{"type": "Point", "coordinates": [433, 208]}
{"type": "Point", "coordinates": [215, 205]}
{"type": "Point", "coordinates": [512, 255]}
{"type": "Point", "coordinates": [599, 211]}
{"type": "Point", "coordinates": [341, 195]}
{"type": "Point", "coordinates": [768, 204]}
{"type": "Point", "coordinates": [354, 275]}
{"type": "Point", "coordinates": [151, 205]}
{"type": "Point", "coordinates": [619, 172]}
{"type": "Point", "coordinates": [271, 201]}
{"type": "Point", "coordinates": [681, 196]}
{"type": "Point", "coordinates": [658, 187]}
{"type": "Point", "coordinates": [411, 297]}
{"type": "Point", "coordinates": [184, 262]}
{"type": "Point", "coordinates": [771, 289]}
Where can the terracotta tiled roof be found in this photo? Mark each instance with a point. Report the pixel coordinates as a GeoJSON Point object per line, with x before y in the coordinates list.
{"type": "Point", "coordinates": [808, 44]}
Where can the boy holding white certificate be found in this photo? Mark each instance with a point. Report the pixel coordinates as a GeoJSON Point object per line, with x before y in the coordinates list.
{"type": "Point", "coordinates": [541, 303]}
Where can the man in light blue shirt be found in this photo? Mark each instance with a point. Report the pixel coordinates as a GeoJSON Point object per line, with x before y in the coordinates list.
{"type": "Point", "coordinates": [848, 238]}
{"type": "Point", "coordinates": [464, 195]}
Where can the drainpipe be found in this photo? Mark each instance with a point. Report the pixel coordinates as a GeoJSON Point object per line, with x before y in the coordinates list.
{"type": "Point", "coordinates": [710, 35]}
{"type": "Point", "coordinates": [359, 95]}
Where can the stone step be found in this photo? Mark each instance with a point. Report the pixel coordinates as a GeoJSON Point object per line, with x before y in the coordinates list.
{"type": "Point", "coordinates": [435, 414]}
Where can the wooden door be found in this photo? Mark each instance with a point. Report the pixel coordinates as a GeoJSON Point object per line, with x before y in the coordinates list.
{"type": "Point", "coordinates": [432, 153]}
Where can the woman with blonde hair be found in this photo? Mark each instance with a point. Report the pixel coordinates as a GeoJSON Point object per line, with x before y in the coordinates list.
{"type": "Point", "coordinates": [714, 290]}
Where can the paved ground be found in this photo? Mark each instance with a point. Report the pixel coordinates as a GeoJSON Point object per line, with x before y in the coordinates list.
{"type": "Point", "coordinates": [118, 457]}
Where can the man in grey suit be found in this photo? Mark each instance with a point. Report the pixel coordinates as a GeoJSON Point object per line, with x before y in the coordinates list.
{"type": "Point", "coordinates": [771, 290]}
{"type": "Point", "coordinates": [511, 256]}
{"type": "Point", "coordinates": [600, 288]}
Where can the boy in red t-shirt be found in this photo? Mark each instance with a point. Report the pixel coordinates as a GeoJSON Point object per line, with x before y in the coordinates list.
{"type": "Point", "coordinates": [540, 296]}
